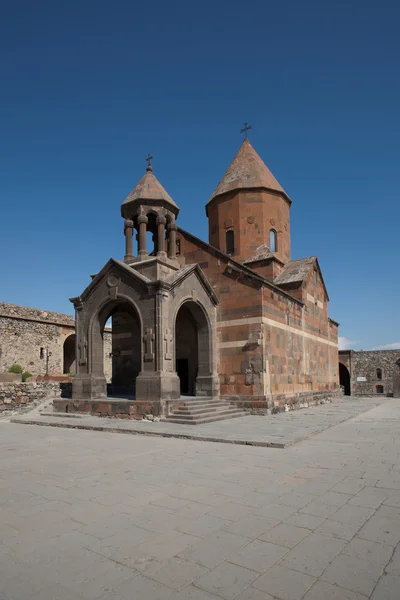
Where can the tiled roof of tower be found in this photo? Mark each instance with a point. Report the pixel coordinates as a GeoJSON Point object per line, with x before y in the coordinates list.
{"type": "Point", "coordinates": [149, 188]}
{"type": "Point", "coordinates": [247, 170]}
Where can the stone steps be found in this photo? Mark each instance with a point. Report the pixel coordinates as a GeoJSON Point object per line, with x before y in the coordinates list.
{"type": "Point", "coordinates": [195, 411]}
{"type": "Point", "coordinates": [200, 409]}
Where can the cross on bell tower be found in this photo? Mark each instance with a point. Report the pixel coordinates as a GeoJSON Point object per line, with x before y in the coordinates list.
{"type": "Point", "coordinates": [149, 159]}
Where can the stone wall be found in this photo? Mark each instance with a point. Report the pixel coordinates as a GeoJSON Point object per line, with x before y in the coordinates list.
{"type": "Point", "coordinates": [28, 334]}
{"type": "Point", "coordinates": [363, 366]}
{"type": "Point", "coordinates": [22, 396]}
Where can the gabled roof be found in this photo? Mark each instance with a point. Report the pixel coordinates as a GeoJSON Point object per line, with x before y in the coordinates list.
{"type": "Point", "coordinates": [178, 276]}
{"type": "Point", "coordinates": [247, 170]}
{"type": "Point", "coordinates": [111, 263]}
{"type": "Point", "coordinates": [295, 272]}
{"type": "Point", "coordinates": [169, 283]}
{"type": "Point", "coordinates": [149, 188]}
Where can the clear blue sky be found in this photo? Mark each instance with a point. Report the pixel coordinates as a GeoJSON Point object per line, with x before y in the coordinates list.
{"type": "Point", "coordinates": [88, 88]}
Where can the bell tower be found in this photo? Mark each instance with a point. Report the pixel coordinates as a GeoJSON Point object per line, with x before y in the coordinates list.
{"type": "Point", "coordinates": [149, 208]}
{"type": "Point", "coordinates": [249, 209]}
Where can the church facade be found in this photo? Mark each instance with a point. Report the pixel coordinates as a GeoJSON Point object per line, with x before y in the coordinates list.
{"type": "Point", "coordinates": [233, 319]}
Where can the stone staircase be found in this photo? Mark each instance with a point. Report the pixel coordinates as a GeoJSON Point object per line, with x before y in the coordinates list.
{"type": "Point", "coordinates": [196, 410]}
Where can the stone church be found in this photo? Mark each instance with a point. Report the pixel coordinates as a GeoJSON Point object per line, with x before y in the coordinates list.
{"type": "Point", "coordinates": [234, 320]}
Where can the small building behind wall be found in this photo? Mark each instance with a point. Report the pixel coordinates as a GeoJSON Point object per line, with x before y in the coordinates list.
{"type": "Point", "coordinates": [370, 372]}
{"type": "Point", "coordinates": [41, 341]}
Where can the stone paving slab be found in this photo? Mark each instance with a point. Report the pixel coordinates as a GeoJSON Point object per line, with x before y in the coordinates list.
{"type": "Point", "coordinates": [96, 516]}
{"type": "Point", "coordinates": [275, 431]}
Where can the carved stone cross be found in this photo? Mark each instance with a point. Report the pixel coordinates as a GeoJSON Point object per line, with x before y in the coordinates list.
{"type": "Point", "coordinates": [168, 344]}
{"type": "Point", "coordinates": [82, 351]}
{"type": "Point", "coordinates": [148, 343]}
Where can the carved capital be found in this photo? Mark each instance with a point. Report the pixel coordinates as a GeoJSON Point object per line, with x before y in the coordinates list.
{"type": "Point", "coordinates": [142, 219]}
{"type": "Point", "coordinates": [128, 224]}
{"type": "Point", "coordinates": [161, 220]}
{"type": "Point", "coordinates": [77, 302]}
{"type": "Point", "coordinates": [172, 226]}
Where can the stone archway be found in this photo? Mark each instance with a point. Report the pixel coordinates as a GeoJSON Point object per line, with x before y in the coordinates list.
{"type": "Point", "coordinates": [69, 354]}
{"type": "Point", "coordinates": [126, 346]}
{"type": "Point", "coordinates": [192, 349]}
{"type": "Point", "coordinates": [344, 378]}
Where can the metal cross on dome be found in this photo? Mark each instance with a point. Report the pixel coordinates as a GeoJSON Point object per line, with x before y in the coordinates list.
{"type": "Point", "coordinates": [245, 129]}
{"type": "Point", "coordinates": [149, 158]}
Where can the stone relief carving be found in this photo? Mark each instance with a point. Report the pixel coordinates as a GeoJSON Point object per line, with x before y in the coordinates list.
{"type": "Point", "coordinates": [168, 344]}
{"type": "Point", "coordinates": [82, 346]}
{"type": "Point", "coordinates": [148, 340]}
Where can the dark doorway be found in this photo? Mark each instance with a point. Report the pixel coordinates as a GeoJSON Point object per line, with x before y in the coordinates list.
{"type": "Point", "coordinates": [193, 350]}
{"type": "Point", "coordinates": [182, 369]}
{"type": "Point", "coordinates": [344, 378]}
{"type": "Point", "coordinates": [69, 355]}
{"type": "Point", "coordinates": [186, 350]}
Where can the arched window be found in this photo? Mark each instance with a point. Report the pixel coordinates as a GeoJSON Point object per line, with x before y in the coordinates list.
{"type": "Point", "coordinates": [230, 241]}
{"type": "Point", "coordinates": [379, 373]}
{"type": "Point", "coordinates": [379, 389]}
{"type": "Point", "coordinates": [273, 240]}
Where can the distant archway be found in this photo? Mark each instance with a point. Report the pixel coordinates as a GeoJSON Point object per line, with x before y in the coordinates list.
{"type": "Point", "coordinates": [396, 379]}
{"type": "Point", "coordinates": [344, 378]}
{"type": "Point", "coordinates": [69, 365]}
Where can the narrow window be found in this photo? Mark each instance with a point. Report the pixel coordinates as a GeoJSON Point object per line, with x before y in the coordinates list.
{"type": "Point", "coordinates": [273, 242]}
{"type": "Point", "coordinates": [379, 373]}
{"type": "Point", "coordinates": [41, 352]}
{"type": "Point", "coordinates": [178, 247]}
{"type": "Point", "coordinates": [315, 277]}
{"type": "Point", "coordinates": [230, 241]}
{"type": "Point", "coordinates": [379, 389]}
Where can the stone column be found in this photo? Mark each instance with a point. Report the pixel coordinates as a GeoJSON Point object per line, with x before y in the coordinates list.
{"type": "Point", "coordinates": [142, 221]}
{"type": "Point", "coordinates": [172, 228]}
{"type": "Point", "coordinates": [128, 231]}
{"type": "Point", "coordinates": [161, 221]}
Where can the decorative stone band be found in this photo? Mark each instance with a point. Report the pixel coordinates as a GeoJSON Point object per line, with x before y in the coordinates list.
{"type": "Point", "coordinates": [266, 321]}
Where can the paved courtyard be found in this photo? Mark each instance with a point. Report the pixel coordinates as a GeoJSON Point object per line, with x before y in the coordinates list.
{"type": "Point", "coordinates": [98, 515]}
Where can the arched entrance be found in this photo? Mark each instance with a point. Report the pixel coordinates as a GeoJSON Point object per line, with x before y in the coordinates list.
{"type": "Point", "coordinates": [69, 364]}
{"type": "Point", "coordinates": [192, 347]}
{"type": "Point", "coordinates": [125, 346]}
{"type": "Point", "coordinates": [344, 378]}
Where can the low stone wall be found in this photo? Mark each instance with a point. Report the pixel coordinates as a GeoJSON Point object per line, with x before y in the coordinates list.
{"type": "Point", "coordinates": [15, 396]}
{"type": "Point", "coordinates": [282, 402]}
{"type": "Point", "coordinates": [108, 407]}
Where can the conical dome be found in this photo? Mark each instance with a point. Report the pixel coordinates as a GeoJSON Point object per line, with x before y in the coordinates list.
{"type": "Point", "coordinates": [247, 170]}
{"type": "Point", "coordinates": [148, 191]}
